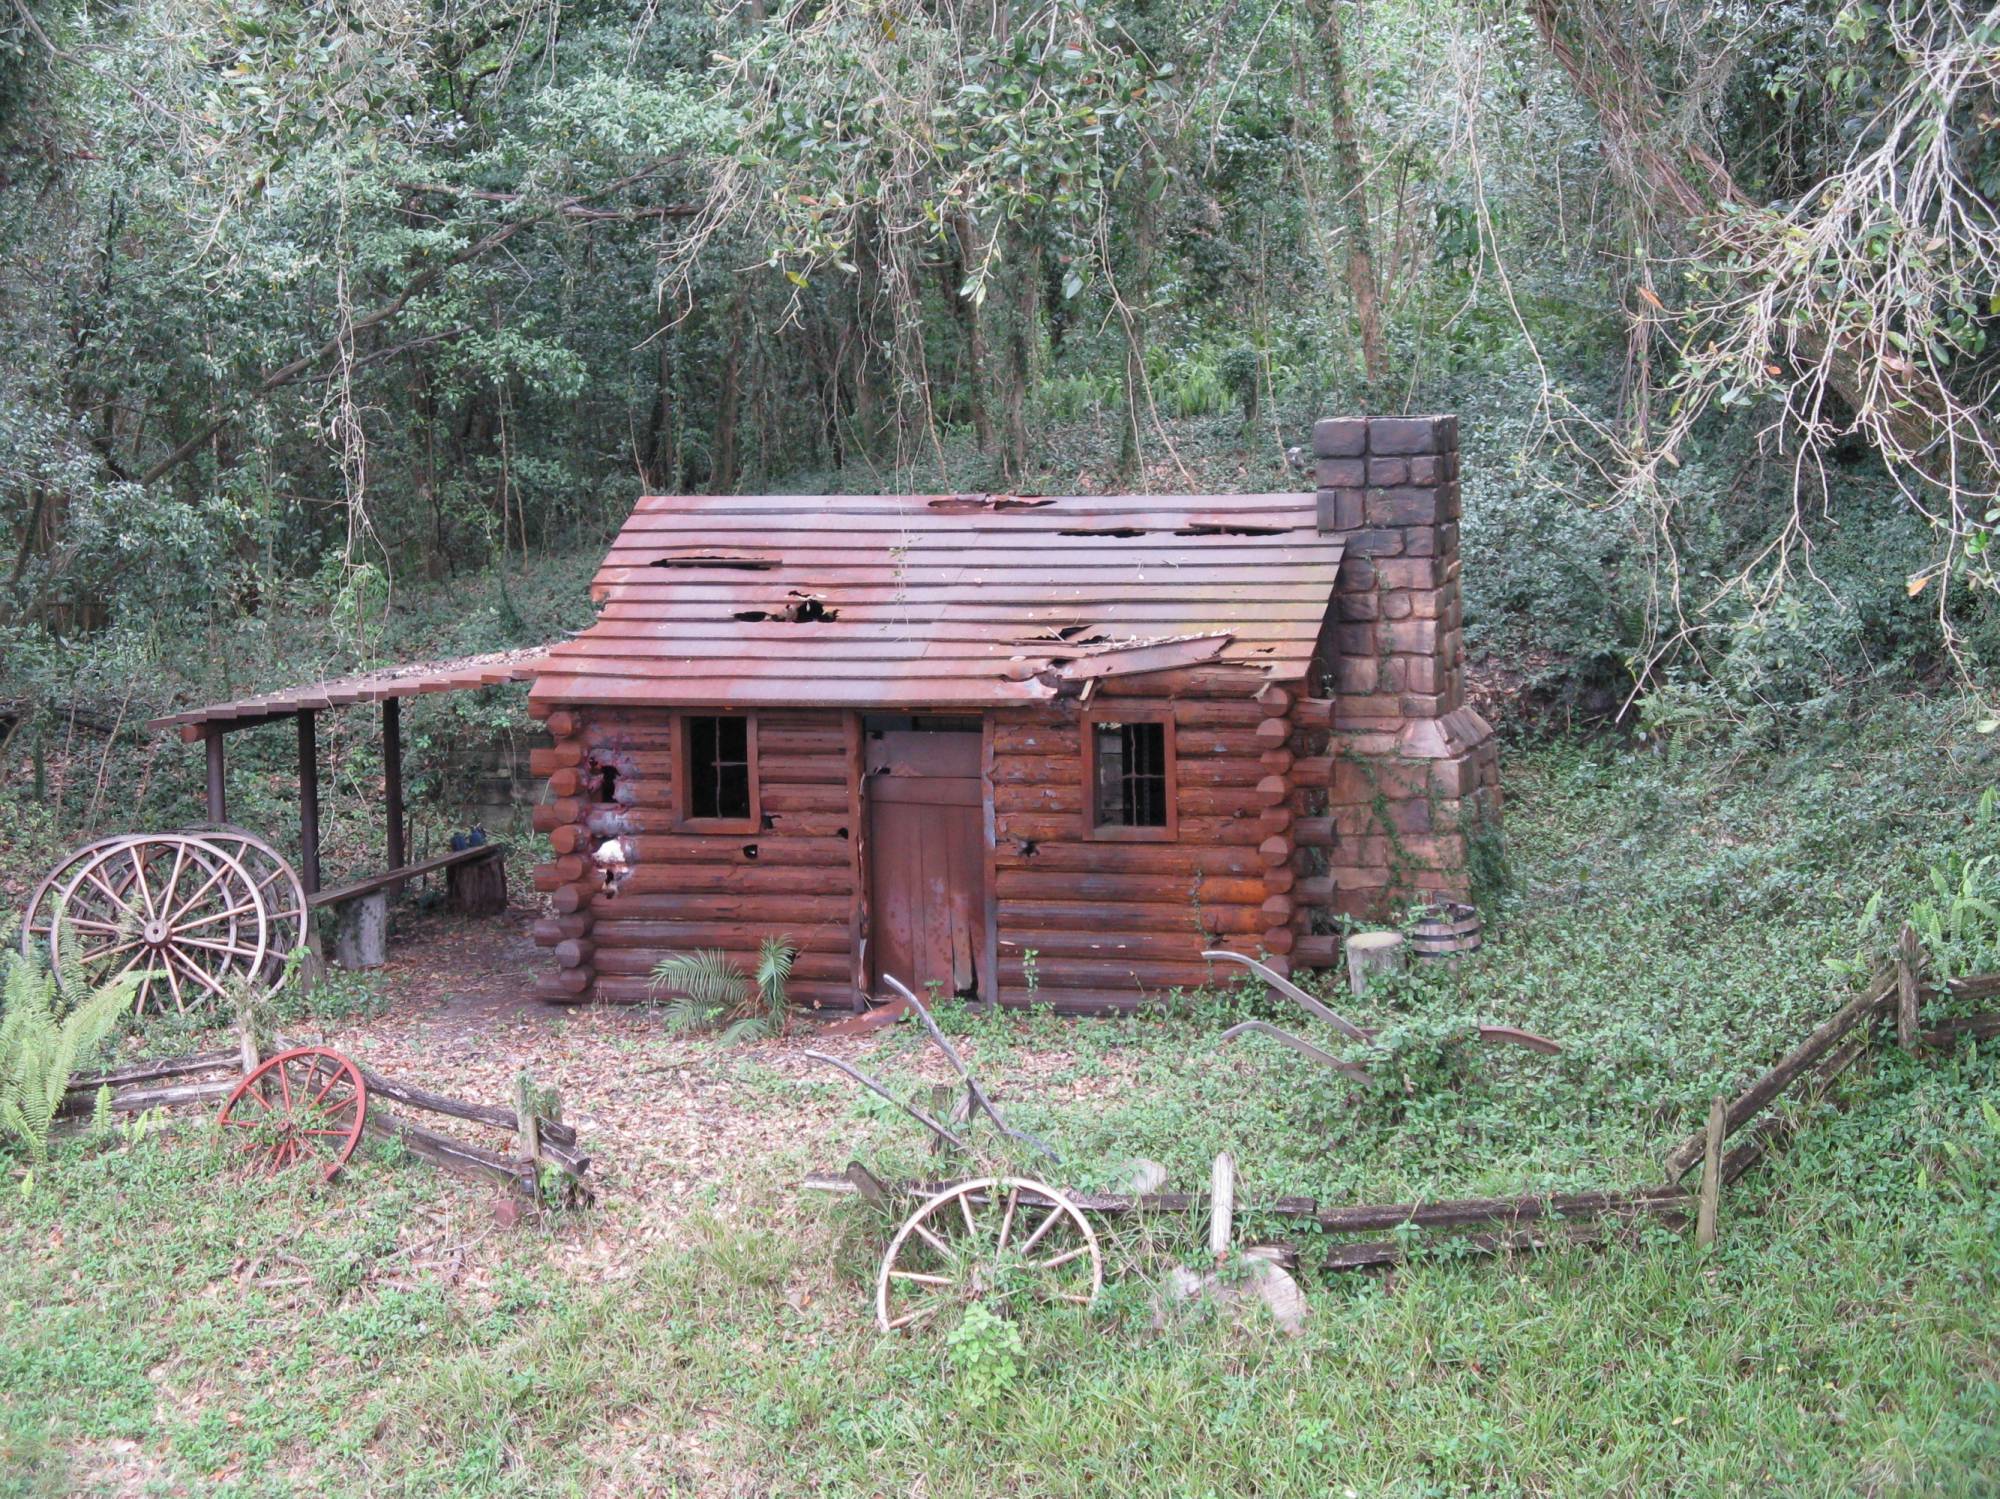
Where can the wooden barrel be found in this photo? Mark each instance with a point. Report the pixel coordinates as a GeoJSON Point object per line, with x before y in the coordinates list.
{"type": "Point", "coordinates": [1446, 929]}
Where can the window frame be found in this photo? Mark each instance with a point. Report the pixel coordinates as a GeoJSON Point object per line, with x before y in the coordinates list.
{"type": "Point", "coordinates": [684, 820]}
{"type": "Point", "coordinates": [1167, 832]}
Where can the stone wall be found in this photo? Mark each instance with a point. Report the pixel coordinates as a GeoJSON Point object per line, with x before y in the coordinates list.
{"type": "Point", "coordinates": [1415, 774]}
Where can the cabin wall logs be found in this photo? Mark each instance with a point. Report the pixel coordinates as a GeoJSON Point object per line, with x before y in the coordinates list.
{"type": "Point", "coordinates": [1090, 925]}
{"type": "Point", "coordinates": [629, 887]}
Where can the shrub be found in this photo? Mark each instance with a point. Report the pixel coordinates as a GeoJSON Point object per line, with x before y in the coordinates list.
{"type": "Point", "coordinates": [39, 1052]}
{"type": "Point", "coordinates": [713, 992]}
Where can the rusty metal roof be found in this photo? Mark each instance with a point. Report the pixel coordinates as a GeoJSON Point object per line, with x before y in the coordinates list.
{"type": "Point", "coordinates": [942, 600]}
{"type": "Point", "coordinates": [368, 687]}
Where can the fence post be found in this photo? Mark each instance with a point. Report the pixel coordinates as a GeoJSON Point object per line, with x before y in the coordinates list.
{"type": "Point", "coordinates": [1711, 1171]}
{"type": "Point", "coordinates": [1907, 958]}
{"type": "Point", "coordinates": [529, 1123]}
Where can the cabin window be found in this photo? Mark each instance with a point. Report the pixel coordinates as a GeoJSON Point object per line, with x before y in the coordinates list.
{"type": "Point", "coordinates": [1129, 765]}
{"type": "Point", "coordinates": [716, 765]}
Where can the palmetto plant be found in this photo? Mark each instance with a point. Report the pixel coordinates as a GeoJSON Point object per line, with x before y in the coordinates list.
{"type": "Point", "coordinates": [39, 1050]}
{"type": "Point", "coordinates": [711, 992]}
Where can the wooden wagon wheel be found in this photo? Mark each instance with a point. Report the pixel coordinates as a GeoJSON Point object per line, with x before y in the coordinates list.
{"type": "Point", "coordinates": [173, 908]}
{"type": "Point", "coordinates": [38, 923]}
{"type": "Point", "coordinates": [278, 884]}
{"type": "Point", "coordinates": [992, 1239]}
{"type": "Point", "coordinates": [306, 1105]}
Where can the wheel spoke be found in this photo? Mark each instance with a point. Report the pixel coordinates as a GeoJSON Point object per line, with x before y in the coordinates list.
{"type": "Point", "coordinates": [214, 876]}
{"type": "Point", "coordinates": [1007, 1218]}
{"type": "Point", "coordinates": [912, 1317]}
{"type": "Point", "coordinates": [943, 1249]}
{"type": "Point", "coordinates": [117, 900]}
{"type": "Point", "coordinates": [173, 982]}
{"type": "Point", "coordinates": [139, 877]}
{"type": "Point", "coordinates": [921, 1278]}
{"type": "Point", "coordinates": [1064, 1258]}
{"type": "Point", "coordinates": [233, 911]}
{"type": "Point", "coordinates": [965, 1211]}
{"type": "Point", "coordinates": [1055, 1213]}
{"type": "Point", "coordinates": [194, 970]}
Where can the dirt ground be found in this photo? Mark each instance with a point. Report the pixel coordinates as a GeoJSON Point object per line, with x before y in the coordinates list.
{"type": "Point", "coordinates": [671, 1125]}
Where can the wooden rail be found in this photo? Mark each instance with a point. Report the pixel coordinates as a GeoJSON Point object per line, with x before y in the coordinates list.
{"type": "Point", "coordinates": [1540, 1220]}
{"type": "Point", "coordinates": [353, 889]}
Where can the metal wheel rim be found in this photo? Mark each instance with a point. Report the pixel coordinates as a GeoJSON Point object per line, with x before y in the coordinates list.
{"type": "Point", "coordinates": [277, 882]}
{"type": "Point", "coordinates": [980, 1268]}
{"type": "Point", "coordinates": [218, 929]}
{"type": "Point", "coordinates": [308, 1104]}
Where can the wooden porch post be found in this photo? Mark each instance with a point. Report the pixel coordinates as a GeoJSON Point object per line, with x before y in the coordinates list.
{"type": "Point", "coordinates": [308, 802]}
{"type": "Point", "coordinates": [218, 806]}
{"type": "Point", "coordinates": [392, 781]}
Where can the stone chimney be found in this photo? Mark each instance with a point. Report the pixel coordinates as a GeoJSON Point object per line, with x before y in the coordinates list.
{"type": "Point", "coordinates": [1415, 782]}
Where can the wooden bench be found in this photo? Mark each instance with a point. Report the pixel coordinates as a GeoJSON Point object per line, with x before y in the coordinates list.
{"type": "Point", "coordinates": [476, 884]}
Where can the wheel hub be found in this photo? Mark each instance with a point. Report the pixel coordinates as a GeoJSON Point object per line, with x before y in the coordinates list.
{"type": "Point", "coordinates": [156, 934]}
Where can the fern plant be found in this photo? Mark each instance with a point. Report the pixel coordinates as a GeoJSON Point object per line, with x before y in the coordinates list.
{"type": "Point", "coordinates": [40, 1050]}
{"type": "Point", "coordinates": [712, 993]}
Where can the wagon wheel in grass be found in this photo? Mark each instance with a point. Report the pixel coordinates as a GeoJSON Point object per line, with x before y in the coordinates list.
{"type": "Point", "coordinates": [38, 922]}
{"type": "Point", "coordinates": [306, 1106]}
{"type": "Point", "coordinates": [174, 909]}
{"type": "Point", "coordinates": [994, 1239]}
{"type": "Point", "coordinates": [278, 884]}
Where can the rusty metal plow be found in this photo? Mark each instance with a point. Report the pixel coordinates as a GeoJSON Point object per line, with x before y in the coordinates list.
{"type": "Point", "coordinates": [1504, 1035]}
{"type": "Point", "coordinates": [974, 1102]}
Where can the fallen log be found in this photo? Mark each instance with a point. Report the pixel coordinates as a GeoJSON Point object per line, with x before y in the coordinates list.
{"type": "Point", "coordinates": [1372, 1253]}
{"type": "Point", "coordinates": [138, 1100]}
{"type": "Point", "coordinates": [1458, 1213]}
{"type": "Point", "coordinates": [1771, 1133]}
{"type": "Point", "coordinates": [457, 1108]}
{"type": "Point", "coordinates": [1947, 1033]}
{"type": "Point", "coordinates": [1468, 1211]}
{"type": "Point", "coordinates": [453, 1155]}
{"type": "Point", "coordinates": [1752, 1101]}
{"type": "Point", "coordinates": [1974, 986]}
{"type": "Point", "coordinates": [145, 1072]}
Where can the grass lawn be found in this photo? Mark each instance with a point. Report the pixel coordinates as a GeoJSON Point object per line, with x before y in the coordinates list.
{"type": "Point", "coordinates": [1675, 921]}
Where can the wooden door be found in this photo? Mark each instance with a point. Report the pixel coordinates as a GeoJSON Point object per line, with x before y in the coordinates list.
{"type": "Point", "coordinates": [926, 862]}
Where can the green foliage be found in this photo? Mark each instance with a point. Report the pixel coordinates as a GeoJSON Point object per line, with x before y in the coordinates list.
{"type": "Point", "coordinates": [711, 992]}
{"type": "Point", "coordinates": [41, 1050]}
{"type": "Point", "coordinates": [986, 1356]}
{"type": "Point", "coordinates": [1958, 919]}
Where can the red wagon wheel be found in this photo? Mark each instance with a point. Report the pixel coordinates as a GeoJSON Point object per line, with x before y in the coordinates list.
{"type": "Point", "coordinates": [307, 1104]}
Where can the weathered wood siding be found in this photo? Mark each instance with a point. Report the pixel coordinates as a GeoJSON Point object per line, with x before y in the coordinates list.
{"type": "Point", "coordinates": [795, 878]}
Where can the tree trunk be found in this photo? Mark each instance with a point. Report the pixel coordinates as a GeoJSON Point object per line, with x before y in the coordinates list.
{"type": "Point", "coordinates": [661, 470]}
{"type": "Point", "coordinates": [973, 326]}
{"type": "Point", "coordinates": [1024, 266]}
{"type": "Point", "coordinates": [722, 466]}
{"type": "Point", "coordinates": [1132, 302]}
{"type": "Point", "coordinates": [1350, 182]}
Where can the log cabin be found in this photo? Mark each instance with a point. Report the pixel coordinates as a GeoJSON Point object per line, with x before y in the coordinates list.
{"type": "Point", "coordinates": [1023, 750]}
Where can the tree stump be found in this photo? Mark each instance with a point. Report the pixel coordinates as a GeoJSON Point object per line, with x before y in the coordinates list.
{"type": "Point", "coordinates": [361, 939]}
{"type": "Point", "coordinates": [477, 887]}
{"type": "Point", "coordinates": [1371, 955]}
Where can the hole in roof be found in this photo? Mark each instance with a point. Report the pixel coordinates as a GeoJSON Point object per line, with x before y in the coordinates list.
{"type": "Point", "coordinates": [804, 609]}
{"type": "Point", "coordinates": [740, 562]}
{"type": "Point", "coordinates": [1105, 531]}
{"type": "Point", "coordinates": [970, 502]}
{"type": "Point", "coordinates": [809, 609]}
{"type": "Point", "coordinates": [1219, 528]}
